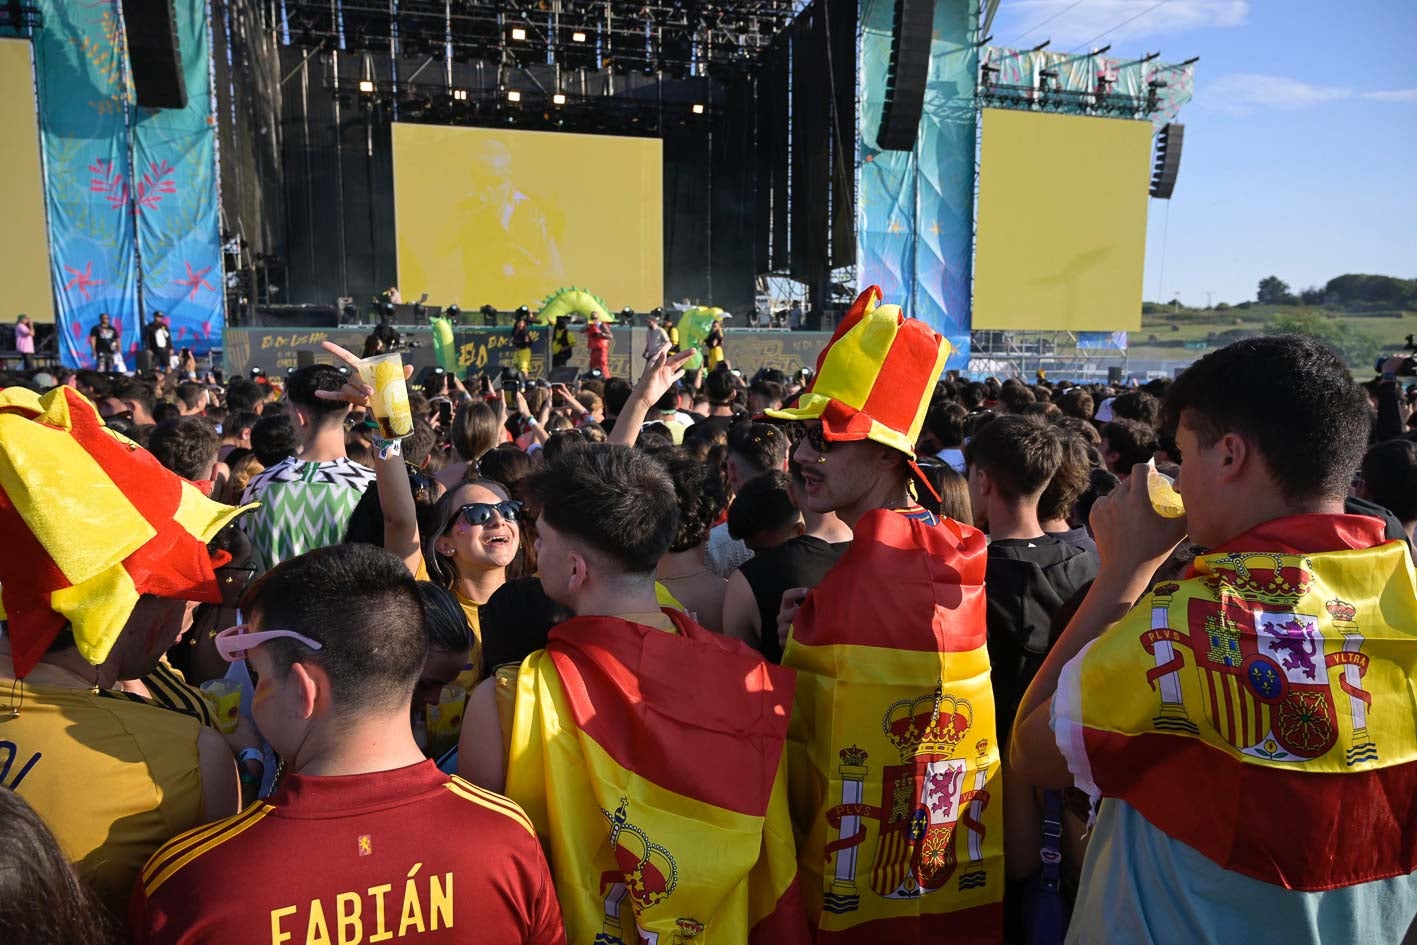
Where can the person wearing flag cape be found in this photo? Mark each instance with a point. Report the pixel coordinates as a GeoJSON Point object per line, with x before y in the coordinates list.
{"type": "Point", "coordinates": [893, 753]}
{"type": "Point", "coordinates": [1249, 730]}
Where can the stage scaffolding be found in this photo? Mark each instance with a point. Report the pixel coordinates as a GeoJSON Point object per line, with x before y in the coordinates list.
{"type": "Point", "coordinates": [1063, 355]}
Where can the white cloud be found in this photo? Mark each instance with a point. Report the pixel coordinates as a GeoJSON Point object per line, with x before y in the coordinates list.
{"type": "Point", "coordinates": [1241, 93]}
{"type": "Point", "coordinates": [1084, 21]}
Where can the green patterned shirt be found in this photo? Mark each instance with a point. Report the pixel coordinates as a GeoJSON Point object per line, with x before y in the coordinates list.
{"type": "Point", "coordinates": [303, 506]}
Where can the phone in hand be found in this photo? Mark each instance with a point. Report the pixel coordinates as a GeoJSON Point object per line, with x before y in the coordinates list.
{"type": "Point", "coordinates": [445, 413]}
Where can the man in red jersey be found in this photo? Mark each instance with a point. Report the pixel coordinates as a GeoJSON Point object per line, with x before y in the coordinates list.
{"type": "Point", "coordinates": [364, 840]}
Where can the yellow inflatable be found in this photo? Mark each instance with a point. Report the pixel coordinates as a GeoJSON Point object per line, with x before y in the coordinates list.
{"type": "Point", "coordinates": [573, 302]}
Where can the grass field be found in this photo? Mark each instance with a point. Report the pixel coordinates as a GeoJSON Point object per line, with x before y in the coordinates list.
{"type": "Point", "coordinates": [1189, 333]}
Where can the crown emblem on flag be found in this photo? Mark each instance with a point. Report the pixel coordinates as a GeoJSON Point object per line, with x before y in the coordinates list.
{"type": "Point", "coordinates": [853, 756]}
{"type": "Point", "coordinates": [1341, 610]}
{"type": "Point", "coordinates": [929, 725]}
{"type": "Point", "coordinates": [649, 870]}
{"type": "Point", "coordinates": [1260, 576]}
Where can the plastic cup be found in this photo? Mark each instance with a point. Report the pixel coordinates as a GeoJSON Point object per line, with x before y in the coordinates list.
{"type": "Point", "coordinates": [1163, 495]}
{"type": "Point", "coordinates": [444, 720]}
{"type": "Point", "coordinates": [384, 373]}
{"type": "Point", "coordinates": [227, 696]}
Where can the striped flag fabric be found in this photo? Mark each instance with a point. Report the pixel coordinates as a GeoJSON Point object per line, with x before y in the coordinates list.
{"type": "Point", "coordinates": [659, 760]}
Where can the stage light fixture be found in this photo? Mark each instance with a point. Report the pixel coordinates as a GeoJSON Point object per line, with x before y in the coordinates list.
{"type": "Point", "coordinates": [366, 86]}
{"type": "Point", "coordinates": [698, 108]}
{"type": "Point", "coordinates": [460, 95]}
{"type": "Point", "coordinates": [518, 33]}
{"type": "Point", "coordinates": [558, 99]}
{"type": "Point", "coordinates": [513, 95]}
{"type": "Point", "coordinates": [578, 37]}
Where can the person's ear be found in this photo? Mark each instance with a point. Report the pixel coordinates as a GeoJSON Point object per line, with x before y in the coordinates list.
{"type": "Point", "coordinates": [579, 571]}
{"type": "Point", "coordinates": [311, 688]}
{"type": "Point", "coordinates": [1234, 456]}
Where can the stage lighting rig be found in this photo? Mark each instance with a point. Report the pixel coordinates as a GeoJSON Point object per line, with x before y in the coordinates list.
{"type": "Point", "coordinates": [519, 34]}
{"type": "Point", "coordinates": [698, 108]}
{"type": "Point", "coordinates": [578, 36]}
{"type": "Point", "coordinates": [366, 87]}
{"type": "Point", "coordinates": [513, 95]}
{"type": "Point", "coordinates": [489, 316]}
{"type": "Point", "coordinates": [559, 98]}
{"type": "Point", "coordinates": [460, 95]}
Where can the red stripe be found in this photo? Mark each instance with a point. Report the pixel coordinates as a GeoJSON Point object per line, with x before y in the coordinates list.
{"type": "Point", "coordinates": [695, 713]}
{"type": "Point", "coordinates": [906, 373]}
{"type": "Point", "coordinates": [1214, 702]}
{"type": "Point", "coordinates": [786, 924]}
{"type": "Point", "coordinates": [982, 925]}
{"type": "Point", "coordinates": [1283, 826]}
{"type": "Point", "coordinates": [1227, 686]}
{"type": "Point", "coordinates": [897, 571]}
{"type": "Point", "coordinates": [1244, 718]}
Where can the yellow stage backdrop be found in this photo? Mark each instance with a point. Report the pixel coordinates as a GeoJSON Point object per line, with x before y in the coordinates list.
{"type": "Point", "coordinates": [1061, 239]}
{"type": "Point", "coordinates": [24, 240]}
{"type": "Point", "coordinates": [487, 215]}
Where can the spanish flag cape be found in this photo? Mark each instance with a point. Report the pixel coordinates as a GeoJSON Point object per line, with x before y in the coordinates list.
{"type": "Point", "coordinates": [652, 765]}
{"type": "Point", "coordinates": [893, 757]}
{"type": "Point", "coordinates": [1261, 710]}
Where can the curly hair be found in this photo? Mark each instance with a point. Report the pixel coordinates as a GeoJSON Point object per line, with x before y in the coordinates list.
{"type": "Point", "coordinates": [699, 505]}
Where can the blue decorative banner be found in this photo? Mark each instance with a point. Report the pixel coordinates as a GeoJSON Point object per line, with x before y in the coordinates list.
{"type": "Point", "coordinates": [179, 229]}
{"type": "Point", "coordinates": [81, 68]}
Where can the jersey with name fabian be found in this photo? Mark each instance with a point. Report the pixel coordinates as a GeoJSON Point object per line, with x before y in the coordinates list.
{"type": "Point", "coordinates": [411, 854]}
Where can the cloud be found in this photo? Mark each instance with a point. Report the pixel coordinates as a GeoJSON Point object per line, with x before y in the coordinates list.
{"type": "Point", "coordinates": [1086, 20]}
{"type": "Point", "coordinates": [1241, 93]}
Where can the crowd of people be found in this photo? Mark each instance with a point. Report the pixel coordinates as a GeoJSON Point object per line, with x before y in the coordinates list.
{"type": "Point", "coordinates": [867, 653]}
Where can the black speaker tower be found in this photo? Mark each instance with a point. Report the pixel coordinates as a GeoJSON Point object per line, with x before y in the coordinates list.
{"type": "Point", "coordinates": [1168, 160]}
{"type": "Point", "coordinates": [905, 81]}
{"type": "Point", "coordinates": [154, 54]}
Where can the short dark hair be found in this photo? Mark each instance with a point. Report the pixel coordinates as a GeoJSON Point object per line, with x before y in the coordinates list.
{"type": "Point", "coordinates": [130, 388]}
{"type": "Point", "coordinates": [763, 446]}
{"type": "Point", "coordinates": [699, 505]}
{"type": "Point", "coordinates": [617, 395]}
{"type": "Point", "coordinates": [1069, 482]}
{"type": "Point", "coordinates": [772, 390]}
{"type": "Point", "coordinates": [191, 394]}
{"type": "Point", "coordinates": [946, 422]}
{"type": "Point", "coordinates": [1133, 442]}
{"type": "Point", "coordinates": [363, 606]}
{"type": "Point", "coordinates": [1290, 396]}
{"type": "Point", "coordinates": [444, 619]}
{"type": "Point", "coordinates": [238, 421]}
{"type": "Point", "coordinates": [301, 386]}
{"type": "Point", "coordinates": [616, 499]}
{"type": "Point", "coordinates": [419, 445]}
{"type": "Point", "coordinates": [1390, 475]}
{"type": "Point", "coordinates": [1076, 402]}
{"type": "Point", "coordinates": [273, 439]}
{"type": "Point", "coordinates": [720, 387]}
{"type": "Point", "coordinates": [165, 410]}
{"type": "Point", "coordinates": [1015, 396]}
{"type": "Point", "coordinates": [243, 395]}
{"type": "Point", "coordinates": [1137, 405]}
{"type": "Point", "coordinates": [1019, 454]}
{"type": "Point", "coordinates": [763, 505]}
{"type": "Point", "coordinates": [187, 445]}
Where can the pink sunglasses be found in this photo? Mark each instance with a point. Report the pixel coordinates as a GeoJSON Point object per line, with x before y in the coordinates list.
{"type": "Point", "coordinates": [234, 643]}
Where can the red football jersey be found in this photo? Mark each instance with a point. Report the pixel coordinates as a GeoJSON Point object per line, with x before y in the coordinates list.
{"type": "Point", "coordinates": [363, 858]}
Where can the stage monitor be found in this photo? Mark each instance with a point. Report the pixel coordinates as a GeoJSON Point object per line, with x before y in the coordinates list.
{"type": "Point", "coordinates": [1061, 241]}
{"type": "Point", "coordinates": [488, 215]}
{"type": "Point", "coordinates": [24, 239]}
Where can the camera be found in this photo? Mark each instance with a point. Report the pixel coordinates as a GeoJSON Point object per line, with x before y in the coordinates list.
{"type": "Point", "coordinates": [1405, 368]}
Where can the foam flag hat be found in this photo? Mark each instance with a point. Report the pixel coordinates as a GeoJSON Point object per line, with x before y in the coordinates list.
{"type": "Point", "coordinates": [89, 522]}
{"type": "Point", "coordinates": [875, 376]}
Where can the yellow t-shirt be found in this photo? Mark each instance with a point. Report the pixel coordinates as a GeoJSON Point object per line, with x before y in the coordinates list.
{"type": "Point", "coordinates": [113, 778]}
{"type": "Point", "coordinates": [469, 676]}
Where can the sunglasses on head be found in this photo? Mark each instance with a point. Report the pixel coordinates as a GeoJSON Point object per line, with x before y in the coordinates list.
{"type": "Point", "coordinates": [480, 513]}
{"type": "Point", "coordinates": [234, 643]}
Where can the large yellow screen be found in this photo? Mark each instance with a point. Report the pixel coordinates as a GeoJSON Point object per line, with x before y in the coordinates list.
{"type": "Point", "coordinates": [507, 217]}
{"type": "Point", "coordinates": [1061, 240]}
{"type": "Point", "coordinates": [24, 242]}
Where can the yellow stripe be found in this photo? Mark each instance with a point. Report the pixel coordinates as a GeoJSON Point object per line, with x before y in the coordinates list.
{"type": "Point", "coordinates": [518, 816]}
{"type": "Point", "coordinates": [853, 364]}
{"type": "Point", "coordinates": [492, 796]}
{"type": "Point", "coordinates": [235, 828]}
{"type": "Point", "coordinates": [186, 840]}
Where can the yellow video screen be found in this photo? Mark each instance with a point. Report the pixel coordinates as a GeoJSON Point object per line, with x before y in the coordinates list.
{"type": "Point", "coordinates": [1061, 237]}
{"type": "Point", "coordinates": [503, 217]}
{"type": "Point", "coordinates": [24, 239]}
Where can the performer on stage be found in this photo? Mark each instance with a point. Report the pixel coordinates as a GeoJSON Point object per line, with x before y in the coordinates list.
{"type": "Point", "coordinates": [893, 755]}
{"type": "Point", "coordinates": [521, 342]}
{"type": "Point", "coordinates": [563, 343]}
{"type": "Point", "coordinates": [598, 341]}
{"type": "Point", "coordinates": [713, 345]}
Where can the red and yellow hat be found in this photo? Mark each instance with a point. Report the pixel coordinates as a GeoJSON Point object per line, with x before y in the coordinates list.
{"type": "Point", "coordinates": [89, 522]}
{"type": "Point", "coordinates": [875, 377]}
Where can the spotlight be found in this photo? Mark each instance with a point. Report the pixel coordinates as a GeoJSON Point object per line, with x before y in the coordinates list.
{"type": "Point", "coordinates": [558, 99]}
{"type": "Point", "coordinates": [698, 108]}
{"type": "Point", "coordinates": [627, 313]}
{"type": "Point", "coordinates": [489, 315]}
{"type": "Point", "coordinates": [513, 95]}
{"type": "Point", "coordinates": [523, 311]}
{"type": "Point", "coordinates": [578, 37]}
{"type": "Point", "coordinates": [452, 312]}
{"type": "Point", "coordinates": [366, 86]}
{"type": "Point", "coordinates": [518, 33]}
{"type": "Point", "coordinates": [460, 95]}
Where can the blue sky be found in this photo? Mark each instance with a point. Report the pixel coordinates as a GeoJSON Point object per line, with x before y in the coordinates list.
{"type": "Point", "coordinates": [1300, 156]}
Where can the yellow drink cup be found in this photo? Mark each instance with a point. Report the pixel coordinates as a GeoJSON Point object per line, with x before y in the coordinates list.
{"type": "Point", "coordinates": [384, 373]}
{"type": "Point", "coordinates": [227, 696]}
{"type": "Point", "coordinates": [1163, 495]}
{"type": "Point", "coordinates": [444, 720]}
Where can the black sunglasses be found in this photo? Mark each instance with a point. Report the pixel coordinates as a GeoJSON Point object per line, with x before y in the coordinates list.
{"type": "Point", "coordinates": [480, 513]}
{"type": "Point", "coordinates": [817, 437]}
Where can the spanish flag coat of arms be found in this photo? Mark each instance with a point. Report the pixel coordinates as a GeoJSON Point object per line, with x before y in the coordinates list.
{"type": "Point", "coordinates": [1261, 711]}
{"type": "Point", "coordinates": [652, 765]}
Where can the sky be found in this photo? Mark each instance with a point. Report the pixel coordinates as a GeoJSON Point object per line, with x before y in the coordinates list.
{"type": "Point", "coordinates": [1300, 156]}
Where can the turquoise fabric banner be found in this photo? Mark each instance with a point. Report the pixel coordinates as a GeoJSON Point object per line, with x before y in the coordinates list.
{"type": "Point", "coordinates": [81, 68]}
{"type": "Point", "coordinates": [916, 209]}
{"type": "Point", "coordinates": [179, 229]}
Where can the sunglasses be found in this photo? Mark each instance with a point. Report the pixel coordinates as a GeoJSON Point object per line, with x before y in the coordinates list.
{"type": "Point", "coordinates": [480, 513]}
{"type": "Point", "coordinates": [817, 437]}
{"type": "Point", "coordinates": [234, 643]}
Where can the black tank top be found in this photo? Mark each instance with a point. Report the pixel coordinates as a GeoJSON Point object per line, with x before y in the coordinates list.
{"type": "Point", "coordinates": [800, 562]}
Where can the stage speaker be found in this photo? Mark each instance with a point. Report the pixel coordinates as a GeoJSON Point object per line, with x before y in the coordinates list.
{"type": "Point", "coordinates": [1114, 375]}
{"type": "Point", "coordinates": [564, 375]}
{"type": "Point", "coordinates": [154, 54]}
{"type": "Point", "coordinates": [143, 361]}
{"type": "Point", "coordinates": [304, 358]}
{"type": "Point", "coordinates": [905, 79]}
{"type": "Point", "coordinates": [1168, 160]}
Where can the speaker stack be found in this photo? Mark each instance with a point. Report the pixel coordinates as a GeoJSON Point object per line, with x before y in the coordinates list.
{"type": "Point", "coordinates": [1168, 160]}
{"type": "Point", "coordinates": [905, 80]}
{"type": "Point", "coordinates": [154, 56]}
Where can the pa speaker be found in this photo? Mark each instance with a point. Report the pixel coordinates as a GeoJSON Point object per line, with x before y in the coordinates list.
{"type": "Point", "coordinates": [1168, 160]}
{"type": "Point", "coordinates": [154, 55]}
{"type": "Point", "coordinates": [143, 361]}
{"type": "Point", "coordinates": [1114, 376]}
{"type": "Point", "coordinates": [905, 80]}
